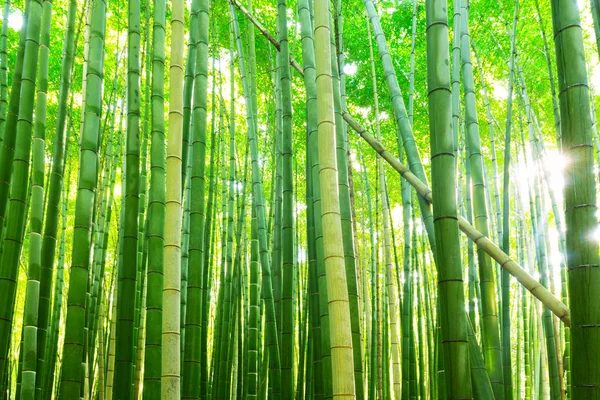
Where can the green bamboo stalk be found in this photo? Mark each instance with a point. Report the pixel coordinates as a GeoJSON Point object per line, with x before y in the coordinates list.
{"type": "Point", "coordinates": [192, 353]}
{"type": "Point", "coordinates": [482, 388]}
{"type": "Point", "coordinates": [4, 67]}
{"type": "Point", "coordinates": [127, 275]}
{"type": "Point", "coordinates": [17, 206]}
{"type": "Point", "coordinates": [277, 209]}
{"type": "Point", "coordinates": [406, 134]}
{"type": "Point", "coordinates": [411, 80]}
{"type": "Point", "coordinates": [319, 321]}
{"type": "Point", "coordinates": [495, 181]}
{"type": "Point", "coordinates": [595, 6]}
{"type": "Point", "coordinates": [73, 352]}
{"type": "Point", "coordinates": [490, 322]}
{"type": "Point", "coordinates": [287, 228]}
{"type": "Point", "coordinates": [104, 199]}
{"type": "Point", "coordinates": [407, 304]}
{"type": "Point", "coordinates": [456, 107]}
{"type": "Point", "coordinates": [9, 134]}
{"type": "Point", "coordinates": [450, 282]}
{"type": "Point", "coordinates": [506, 317]}
{"type": "Point", "coordinates": [142, 250]}
{"type": "Point", "coordinates": [32, 294]}
{"type": "Point", "coordinates": [555, 108]}
{"type": "Point", "coordinates": [188, 90]}
{"type": "Point", "coordinates": [185, 248]}
{"type": "Point", "coordinates": [112, 343]}
{"type": "Point", "coordinates": [208, 246]}
{"type": "Point", "coordinates": [258, 196]}
{"type": "Point", "coordinates": [252, 63]}
{"type": "Point", "coordinates": [538, 224]}
{"type": "Point", "coordinates": [52, 340]}
{"type": "Point", "coordinates": [251, 383]}
{"type": "Point", "coordinates": [219, 315]}
{"type": "Point", "coordinates": [399, 384]}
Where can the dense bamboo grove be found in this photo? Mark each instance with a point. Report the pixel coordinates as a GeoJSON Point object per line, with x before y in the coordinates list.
{"type": "Point", "coordinates": [301, 199]}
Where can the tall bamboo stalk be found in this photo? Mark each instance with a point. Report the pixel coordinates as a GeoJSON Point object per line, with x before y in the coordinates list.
{"type": "Point", "coordinates": [73, 353]}
{"type": "Point", "coordinates": [171, 365]}
{"type": "Point", "coordinates": [32, 295]}
{"type": "Point", "coordinates": [337, 289]}
{"type": "Point", "coordinates": [580, 197]}
{"type": "Point", "coordinates": [490, 320]}
{"type": "Point", "coordinates": [450, 281]}
{"type": "Point", "coordinates": [258, 202]}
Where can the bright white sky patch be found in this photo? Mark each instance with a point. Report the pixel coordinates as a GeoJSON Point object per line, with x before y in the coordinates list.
{"type": "Point", "coordinates": [397, 216]}
{"type": "Point", "coordinates": [596, 234]}
{"type": "Point", "coordinates": [555, 163]}
{"type": "Point", "coordinates": [350, 69]}
{"type": "Point", "coordinates": [500, 92]}
{"type": "Point", "coordinates": [301, 254]}
{"type": "Point", "coordinates": [15, 20]}
{"type": "Point", "coordinates": [595, 78]}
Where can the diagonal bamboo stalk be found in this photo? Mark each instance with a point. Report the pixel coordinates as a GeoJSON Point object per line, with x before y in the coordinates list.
{"type": "Point", "coordinates": [513, 268]}
{"type": "Point", "coordinates": [482, 241]}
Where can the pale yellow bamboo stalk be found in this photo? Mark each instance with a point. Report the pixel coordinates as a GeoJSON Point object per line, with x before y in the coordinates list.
{"type": "Point", "coordinates": [171, 335]}
{"type": "Point", "coordinates": [337, 288]}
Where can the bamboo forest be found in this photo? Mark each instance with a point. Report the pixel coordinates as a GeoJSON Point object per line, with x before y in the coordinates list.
{"type": "Point", "coordinates": [299, 199]}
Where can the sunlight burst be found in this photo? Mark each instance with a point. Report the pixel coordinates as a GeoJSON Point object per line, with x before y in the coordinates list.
{"type": "Point", "coordinates": [15, 20]}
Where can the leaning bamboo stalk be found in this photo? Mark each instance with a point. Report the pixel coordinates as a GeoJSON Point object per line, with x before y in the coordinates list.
{"type": "Point", "coordinates": [398, 380]}
{"type": "Point", "coordinates": [484, 243]}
